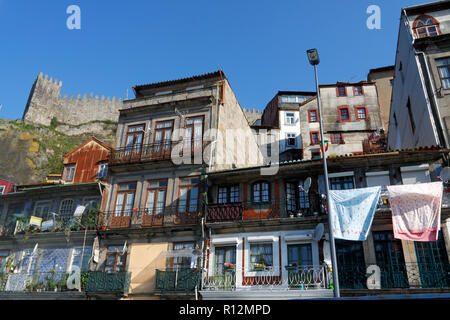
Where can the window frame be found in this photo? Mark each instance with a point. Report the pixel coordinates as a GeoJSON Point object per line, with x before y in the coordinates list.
{"type": "Point", "coordinates": [61, 205]}
{"type": "Point", "coordinates": [189, 187]}
{"type": "Point", "coordinates": [135, 147]}
{"type": "Point", "coordinates": [354, 91]}
{"type": "Point", "coordinates": [365, 110]}
{"type": "Point", "coordinates": [447, 66]}
{"type": "Point", "coordinates": [301, 198]}
{"type": "Point", "coordinates": [70, 169]}
{"type": "Point", "coordinates": [260, 191]}
{"type": "Point", "coordinates": [124, 203]}
{"type": "Point", "coordinates": [338, 93]}
{"type": "Point", "coordinates": [155, 209]}
{"type": "Point", "coordinates": [286, 117]}
{"type": "Point", "coordinates": [40, 204]}
{"type": "Point", "coordinates": [340, 115]}
{"type": "Point", "coordinates": [287, 140]}
{"type": "Point", "coordinates": [229, 192]}
{"type": "Point", "coordinates": [333, 141]}
{"type": "Point", "coordinates": [102, 167]}
{"type": "Point", "coordinates": [317, 115]}
{"type": "Point", "coordinates": [426, 27]}
{"type": "Point", "coordinates": [313, 143]}
{"type": "Point", "coordinates": [250, 254]}
{"type": "Point", "coordinates": [116, 254]}
{"type": "Point", "coordinates": [2, 189]}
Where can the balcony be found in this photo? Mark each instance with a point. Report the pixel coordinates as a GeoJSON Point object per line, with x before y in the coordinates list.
{"type": "Point", "coordinates": [276, 281]}
{"type": "Point", "coordinates": [392, 276]}
{"type": "Point", "coordinates": [178, 280]}
{"type": "Point", "coordinates": [156, 151]}
{"type": "Point", "coordinates": [103, 282]}
{"type": "Point", "coordinates": [146, 218]}
{"type": "Point", "coordinates": [256, 211]}
{"type": "Point", "coordinates": [61, 223]}
{"type": "Point", "coordinates": [38, 282]}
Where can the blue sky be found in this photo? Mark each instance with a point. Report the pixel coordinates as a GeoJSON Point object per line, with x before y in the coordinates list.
{"type": "Point", "coordinates": [260, 45]}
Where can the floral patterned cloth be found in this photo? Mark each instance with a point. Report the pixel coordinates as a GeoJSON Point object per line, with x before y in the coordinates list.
{"type": "Point", "coordinates": [416, 210]}
{"type": "Point", "coordinates": [352, 211]}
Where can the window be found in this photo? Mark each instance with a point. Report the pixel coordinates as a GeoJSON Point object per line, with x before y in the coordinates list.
{"type": "Point", "coordinates": [163, 135]}
{"type": "Point", "coordinates": [156, 197]}
{"type": "Point", "coordinates": [313, 115]}
{"type": "Point", "coordinates": [358, 91]}
{"type": "Point", "coordinates": [2, 189]}
{"type": "Point", "coordinates": [125, 199]}
{"type": "Point", "coordinates": [300, 254]}
{"type": "Point", "coordinates": [3, 257]}
{"type": "Point", "coordinates": [296, 198]}
{"type": "Point", "coordinates": [391, 82]}
{"type": "Point", "coordinates": [75, 259]}
{"type": "Point", "coordinates": [290, 118]}
{"type": "Point", "coordinates": [261, 255]}
{"type": "Point", "coordinates": [340, 92]}
{"type": "Point", "coordinates": [135, 137]}
{"type": "Point", "coordinates": [294, 98]}
{"type": "Point", "coordinates": [42, 209]}
{"type": "Point", "coordinates": [426, 26]}
{"type": "Point", "coordinates": [69, 172]}
{"type": "Point", "coordinates": [344, 113]}
{"type": "Point", "coordinates": [361, 113]}
{"type": "Point", "coordinates": [342, 183]}
{"type": "Point", "coordinates": [228, 194]}
{"type": "Point", "coordinates": [261, 192]}
{"type": "Point", "coordinates": [116, 258]}
{"type": "Point", "coordinates": [67, 207]}
{"type": "Point", "coordinates": [188, 194]}
{"type": "Point", "coordinates": [102, 170]}
{"type": "Point", "coordinates": [224, 255]}
{"type": "Point", "coordinates": [187, 261]}
{"type": "Point", "coordinates": [194, 134]}
{"type": "Point", "coordinates": [290, 139]}
{"type": "Point", "coordinates": [315, 137]}
{"type": "Point", "coordinates": [337, 138]}
{"type": "Point", "coordinates": [411, 118]}
{"type": "Point", "coordinates": [443, 66]}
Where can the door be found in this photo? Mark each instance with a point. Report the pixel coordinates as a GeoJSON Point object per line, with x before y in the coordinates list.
{"type": "Point", "coordinates": [351, 264]}
{"type": "Point", "coordinates": [124, 206]}
{"type": "Point", "coordinates": [434, 268]}
{"type": "Point", "coordinates": [390, 259]}
{"type": "Point", "coordinates": [300, 271]}
{"type": "Point", "coordinates": [225, 267]}
{"type": "Point", "coordinates": [188, 196]}
{"type": "Point", "coordinates": [155, 204]}
{"type": "Point", "coordinates": [135, 137]}
{"type": "Point", "coordinates": [163, 140]}
{"type": "Point", "coordinates": [193, 138]}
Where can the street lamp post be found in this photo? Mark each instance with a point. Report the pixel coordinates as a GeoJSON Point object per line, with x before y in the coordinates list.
{"type": "Point", "coordinates": [313, 57]}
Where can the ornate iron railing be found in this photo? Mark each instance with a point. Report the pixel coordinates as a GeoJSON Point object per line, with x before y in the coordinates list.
{"type": "Point", "coordinates": [270, 278]}
{"type": "Point", "coordinates": [172, 279]}
{"type": "Point", "coordinates": [274, 208]}
{"type": "Point", "coordinates": [166, 216]}
{"type": "Point", "coordinates": [103, 282]}
{"type": "Point", "coordinates": [157, 151]}
{"type": "Point", "coordinates": [407, 275]}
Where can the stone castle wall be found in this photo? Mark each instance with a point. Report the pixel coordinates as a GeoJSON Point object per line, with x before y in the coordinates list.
{"type": "Point", "coordinates": [252, 115]}
{"type": "Point", "coordinates": [45, 103]}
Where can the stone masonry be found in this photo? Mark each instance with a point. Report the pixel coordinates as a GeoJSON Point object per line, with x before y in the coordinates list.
{"type": "Point", "coordinates": [45, 103]}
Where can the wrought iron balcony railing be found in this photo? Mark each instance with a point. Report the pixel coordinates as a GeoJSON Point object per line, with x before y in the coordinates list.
{"type": "Point", "coordinates": [268, 278]}
{"type": "Point", "coordinates": [157, 151]}
{"type": "Point", "coordinates": [264, 210]}
{"type": "Point", "coordinates": [406, 275]}
{"type": "Point", "coordinates": [104, 282]}
{"type": "Point", "coordinates": [156, 217]}
{"type": "Point", "coordinates": [176, 280]}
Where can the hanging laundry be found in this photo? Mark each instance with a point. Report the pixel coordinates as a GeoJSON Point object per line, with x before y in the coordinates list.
{"type": "Point", "coordinates": [416, 210]}
{"type": "Point", "coordinates": [353, 211]}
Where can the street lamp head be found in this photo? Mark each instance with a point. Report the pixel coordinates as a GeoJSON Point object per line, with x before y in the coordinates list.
{"type": "Point", "coordinates": [313, 56]}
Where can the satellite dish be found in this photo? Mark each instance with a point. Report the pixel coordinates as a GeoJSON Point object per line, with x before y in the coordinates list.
{"type": "Point", "coordinates": [307, 184]}
{"type": "Point", "coordinates": [445, 174]}
{"type": "Point", "coordinates": [318, 232]}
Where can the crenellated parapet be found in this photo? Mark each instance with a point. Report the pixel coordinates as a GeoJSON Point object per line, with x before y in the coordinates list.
{"type": "Point", "coordinates": [252, 115]}
{"type": "Point", "coordinates": [45, 103]}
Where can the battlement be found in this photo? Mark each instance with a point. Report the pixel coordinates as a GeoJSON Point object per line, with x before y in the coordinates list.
{"type": "Point", "coordinates": [45, 103]}
{"type": "Point", "coordinates": [252, 115]}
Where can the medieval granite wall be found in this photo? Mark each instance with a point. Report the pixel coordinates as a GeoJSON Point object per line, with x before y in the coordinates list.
{"type": "Point", "coordinates": [45, 103]}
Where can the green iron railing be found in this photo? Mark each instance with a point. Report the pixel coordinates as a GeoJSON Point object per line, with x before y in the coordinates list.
{"type": "Point", "coordinates": [183, 279]}
{"type": "Point", "coordinates": [103, 282]}
{"type": "Point", "coordinates": [406, 275]}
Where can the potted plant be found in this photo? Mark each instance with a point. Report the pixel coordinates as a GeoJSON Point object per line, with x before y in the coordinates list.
{"type": "Point", "coordinates": [259, 267]}
{"type": "Point", "coordinates": [299, 214]}
{"type": "Point", "coordinates": [61, 284]}
{"type": "Point", "coordinates": [229, 266]}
